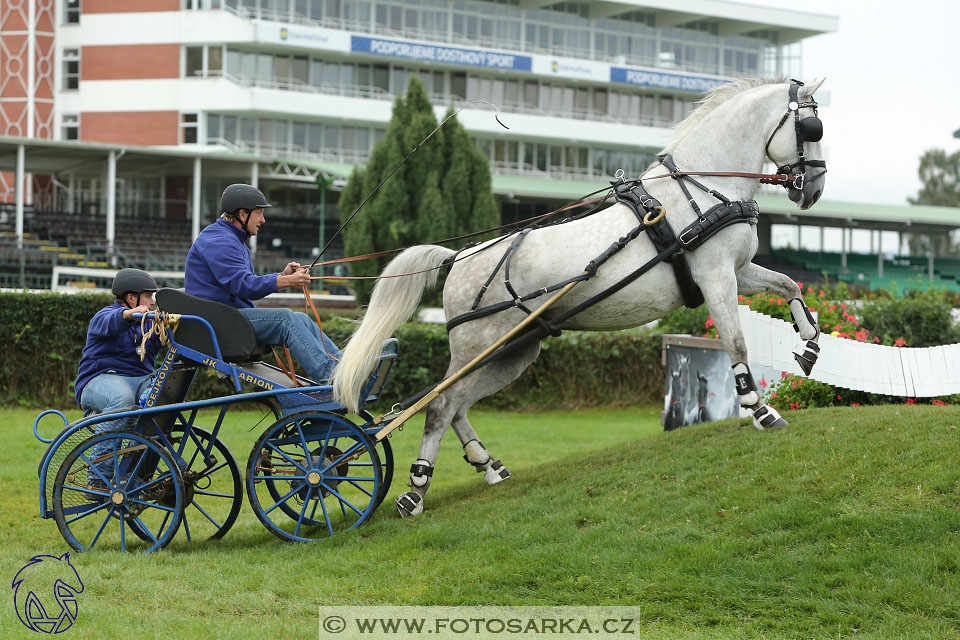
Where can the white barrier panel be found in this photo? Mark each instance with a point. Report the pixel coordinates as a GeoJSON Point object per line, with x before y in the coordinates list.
{"type": "Point", "coordinates": [904, 371]}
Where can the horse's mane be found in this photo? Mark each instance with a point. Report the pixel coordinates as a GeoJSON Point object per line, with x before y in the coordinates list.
{"type": "Point", "coordinates": [713, 99]}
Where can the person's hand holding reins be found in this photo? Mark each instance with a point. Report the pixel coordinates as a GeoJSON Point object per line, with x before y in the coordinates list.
{"type": "Point", "coordinates": [293, 276]}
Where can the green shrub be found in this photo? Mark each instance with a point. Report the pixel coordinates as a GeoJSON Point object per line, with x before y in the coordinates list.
{"type": "Point", "coordinates": [922, 320]}
{"type": "Point", "coordinates": [42, 337]}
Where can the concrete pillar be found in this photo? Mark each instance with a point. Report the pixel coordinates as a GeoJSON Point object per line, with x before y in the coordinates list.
{"type": "Point", "coordinates": [197, 177]}
{"type": "Point", "coordinates": [111, 188]}
{"type": "Point", "coordinates": [18, 191]}
{"type": "Point", "coordinates": [843, 254]}
{"type": "Point", "coordinates": [255, 181]}
{"type": "Point", "coordinates": [764, 232]}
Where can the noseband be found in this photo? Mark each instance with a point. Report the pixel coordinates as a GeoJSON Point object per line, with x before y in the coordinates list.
{"type": "Point", "coordinates": [808, 129]}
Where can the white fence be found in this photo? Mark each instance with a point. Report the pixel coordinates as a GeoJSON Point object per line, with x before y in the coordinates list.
{"type": "Point", "coordinates": [101, 279]}
{"type": "Point", "coordinates": [904, 371]}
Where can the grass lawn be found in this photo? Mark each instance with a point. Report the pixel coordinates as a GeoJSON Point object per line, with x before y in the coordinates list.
{"type": "Point", "coordinates": [846, 523]}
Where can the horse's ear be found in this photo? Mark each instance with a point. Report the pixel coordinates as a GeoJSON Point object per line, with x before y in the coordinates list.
{"type": "Point", "coordinates": [66, 556]}
{"type": "Point", "coordinates": [808, 90]}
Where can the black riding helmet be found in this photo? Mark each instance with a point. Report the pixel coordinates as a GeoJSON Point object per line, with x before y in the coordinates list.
{"type": "Point", "coordinates": [133, 281]}
{"type": "Point", "coordinates": [242, 196]}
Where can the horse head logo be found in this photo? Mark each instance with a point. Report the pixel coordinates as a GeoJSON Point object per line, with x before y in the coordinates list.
{"type": "Point", "coordinates": [39, 576]}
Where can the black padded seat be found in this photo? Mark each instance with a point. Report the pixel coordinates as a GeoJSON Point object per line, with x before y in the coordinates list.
{"type": "Point", "coordinates": [234, 333]}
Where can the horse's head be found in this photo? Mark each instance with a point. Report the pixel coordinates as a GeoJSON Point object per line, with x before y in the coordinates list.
{"type": "Point", "coordinates": [32, 586]}
{"type": "Point", "coordinates": [793, 144]}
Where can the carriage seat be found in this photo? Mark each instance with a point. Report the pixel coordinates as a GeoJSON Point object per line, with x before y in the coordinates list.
{"type": "Point", "coordinates": [233, 330]}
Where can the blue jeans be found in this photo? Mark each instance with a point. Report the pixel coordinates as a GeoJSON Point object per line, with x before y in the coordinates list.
{"type": "Point", "coordinates": [313, 350]}
{"type": "Point", "coordinates": [108, 392]}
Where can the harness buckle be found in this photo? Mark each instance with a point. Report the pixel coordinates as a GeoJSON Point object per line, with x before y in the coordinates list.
{"type": "Point", "coordinates": [684, 240]}
{"type": "Point", "coordinates": [798, 182]}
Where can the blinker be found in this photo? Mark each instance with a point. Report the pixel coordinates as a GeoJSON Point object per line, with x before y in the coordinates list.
{"type": "Point", "coordinates": [811, 129]}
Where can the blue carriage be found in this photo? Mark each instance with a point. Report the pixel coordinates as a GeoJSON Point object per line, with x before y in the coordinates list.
{"type": "Point", "coordinates": [130, 479]}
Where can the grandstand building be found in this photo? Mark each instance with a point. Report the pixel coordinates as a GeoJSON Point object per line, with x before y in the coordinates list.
{"type": "Point", "coordinates": [170, 100]}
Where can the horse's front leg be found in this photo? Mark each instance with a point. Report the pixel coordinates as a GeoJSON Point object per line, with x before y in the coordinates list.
{"type": "Point", "coordinates": [754, 279]}
{"type": "Point", "coordinates": [722, 304]}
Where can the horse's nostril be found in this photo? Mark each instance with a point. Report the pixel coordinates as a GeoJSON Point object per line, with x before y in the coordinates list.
{"type": "Point", "coordinates": [816, 195]}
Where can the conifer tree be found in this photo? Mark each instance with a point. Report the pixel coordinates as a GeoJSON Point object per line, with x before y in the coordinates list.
{"type": "Point", "coordinates": [443, 189]}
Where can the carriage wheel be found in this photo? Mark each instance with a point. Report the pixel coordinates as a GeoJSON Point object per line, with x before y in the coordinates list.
{"type": "Point", "coordinates": [116, 483]}
{"type": "Point", "coordinates": [313, 474]}
{"type": "Point", "coordinates": [213, 486]}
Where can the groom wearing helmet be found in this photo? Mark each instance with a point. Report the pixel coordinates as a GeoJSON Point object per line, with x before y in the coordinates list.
{"type": "Point", "coordinates": [219, 268]}
{"type": "Point", "coordinates": [111, 374]}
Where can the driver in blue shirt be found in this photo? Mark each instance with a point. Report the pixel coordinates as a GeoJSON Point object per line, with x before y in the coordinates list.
{"type": "Point", "coordinates": [219, 268]}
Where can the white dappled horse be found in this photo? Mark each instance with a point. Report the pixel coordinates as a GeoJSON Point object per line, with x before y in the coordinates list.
{"type": "Point", "coordinates": [734, 128]}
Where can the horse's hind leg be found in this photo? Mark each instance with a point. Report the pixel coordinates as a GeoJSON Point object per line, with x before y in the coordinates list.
{"type": "Point", "coordinates": [723, 309]}
{"type": "Point", "coordinates": [439, 416]}
{"type": "Point", "coordinates": [451, 407]}
{"type": "Point", "coordinates": [754, 279]}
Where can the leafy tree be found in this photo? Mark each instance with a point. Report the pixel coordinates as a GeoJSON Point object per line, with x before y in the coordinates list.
{"type": "Point", "coordinates": [442, 190]}
{"type": "Point", "coordinates": [940, 175]}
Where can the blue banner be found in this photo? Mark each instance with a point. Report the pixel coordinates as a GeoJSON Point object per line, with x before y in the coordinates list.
{"type": "Point", "coordinates": [436, 53]}
{"type": "Point", "coordinates": [662, 80]}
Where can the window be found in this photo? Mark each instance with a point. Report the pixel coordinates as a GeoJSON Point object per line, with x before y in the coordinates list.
{"type": "Point", "coordinates": [71, 69]}
{"type": "Point", "coordinates": [194, 60]}
{"type": "Point", "coordinates": [188, 128]}
{"type": "Point", "coordinates": [205, 61]}
{"type": "Point", "coordinates": [71, 12]}
{"type": "Point", "coordinates": [70, 127]}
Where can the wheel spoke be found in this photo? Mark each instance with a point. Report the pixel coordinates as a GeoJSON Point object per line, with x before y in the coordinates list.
{"type": "Point", "coordinates": [361, 488]}
{"type": "Point", "coordinates": [341, 498]}
{"type": "Point", "coordinates": [136, 467]}
{"type": "Point", "coordinates": [283, 499]}
{"type": "Point", "coordinates": [167, 474]}
{"type": "Point", "coordinates": [343, 456]}
{"type": "Point", "coordinates": [123, 534]}
{"type": "Point", "coordinates": [86, 490]}
{"type": "Point", "coordinates": [213, 494]}
{"type": "Point", "coordinates": [147, 529]}
{"type": "Point", "coordinates": [186, 527]}
{"type": "Point", "coordinates": [326, 516]}
{"type": "Point", "coordinates": [303, 511]}
{"type": "Point", "coordinates": [209, 472]}
{"type": "Point", "coordinates": [284, 454]}
{"type": "Point", "coordinates": [90, 465]}
{"type": "Point", "coordinates": [204, 512]}
{"type": "Point", "coordinates": [152, 505]}
{"type": "Point", "coordinates": [102, 527]}
{"type": "Point", "coordinates": [90, 512]}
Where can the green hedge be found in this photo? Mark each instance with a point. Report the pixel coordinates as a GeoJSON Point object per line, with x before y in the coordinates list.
{"type": "Point", "coordinates": [42, 336]}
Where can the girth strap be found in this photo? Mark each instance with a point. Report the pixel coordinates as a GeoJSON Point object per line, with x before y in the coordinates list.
{"type": "Point", "coordinates": [636, 198]}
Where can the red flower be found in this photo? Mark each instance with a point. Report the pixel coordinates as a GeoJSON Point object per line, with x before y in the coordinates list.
{"type": "Point", "coordinates": [822, 294]}
{"type": "Point", "coordinates": [763, 382]}
{"type": "Point", "coordinates": [780, 302]}
{"type": "Point", "coordinates": [940, 403]}
{"type": "Point", "coordinates": [839, 398]}
{"type": "Point", "coordinates": [911, 401]}
{"type": "Point", "coordinates": [854, 404]}
{"type": "Point", "coordinates": [794, 406]}
{"type": "Point", "coordinates": [899, 342]}
{"type": "Point", "coordinates": [709, 322]}
{"type": "Point", "coordinates": [783, 375]}
{"type": "Point", "coordinates": [800, 284]}
{"type": "Point", "coordinates": [773, 394]}
{"type": "Point", "coordinates": [876, 340]}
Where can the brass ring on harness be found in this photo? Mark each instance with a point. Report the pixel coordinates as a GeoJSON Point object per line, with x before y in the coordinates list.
{"type": "Point", "coordinates": [661, 211]}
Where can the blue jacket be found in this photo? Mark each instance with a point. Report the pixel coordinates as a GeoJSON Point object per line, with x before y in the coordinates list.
{"type": "Point", "coordinates": [219, 268]}
{"type": "Point", "coordinates": [112, 348]}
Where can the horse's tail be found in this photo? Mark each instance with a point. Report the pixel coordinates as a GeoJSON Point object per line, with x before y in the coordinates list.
{"type": "Point", "coordinates": [392, 302]}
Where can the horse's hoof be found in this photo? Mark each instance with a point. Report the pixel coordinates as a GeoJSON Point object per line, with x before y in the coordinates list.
{"type": "Point", "coordinates": [495, 473]}
{"type": "Point", "coordinates": [768, 418]}
{"type": "Point", "coordinates": [806, 354]}
{"type": "Point", "coordinates": [410, 504]}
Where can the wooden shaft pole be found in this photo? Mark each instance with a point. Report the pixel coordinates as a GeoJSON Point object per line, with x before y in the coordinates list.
{"type": "Point", "coordinates": [407, 413]}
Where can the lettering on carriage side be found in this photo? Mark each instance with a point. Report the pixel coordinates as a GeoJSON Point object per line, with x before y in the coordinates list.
{"type": "Point", "coordinates": [210, 362]}
{"type": "Point", "coordinates": [161, 376]}
{"type": "Point", "coordinates": [256, 381]}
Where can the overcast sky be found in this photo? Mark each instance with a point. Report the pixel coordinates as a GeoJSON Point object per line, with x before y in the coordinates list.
{"type": "Point", "coordinates": [894, 91]}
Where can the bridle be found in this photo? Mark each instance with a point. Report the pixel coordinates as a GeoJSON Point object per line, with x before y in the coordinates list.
{"type": "Point", "coordinates": [809, 129]}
